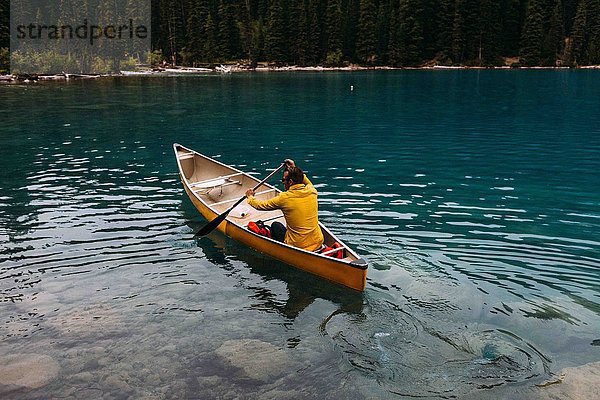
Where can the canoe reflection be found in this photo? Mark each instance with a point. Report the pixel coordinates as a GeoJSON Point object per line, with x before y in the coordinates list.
{"type": "Point", "coordinates": [302, 288]}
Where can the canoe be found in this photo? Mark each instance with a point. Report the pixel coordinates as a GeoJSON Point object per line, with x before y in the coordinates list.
{"type": "Point", "coordinates": [213, 187]}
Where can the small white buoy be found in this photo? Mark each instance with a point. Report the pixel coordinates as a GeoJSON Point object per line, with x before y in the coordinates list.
{"type": "Point", "coordinates": [352, 88]}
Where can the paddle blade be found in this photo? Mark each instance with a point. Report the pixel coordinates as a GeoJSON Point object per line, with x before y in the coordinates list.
{"type": "Point", "coordinates": [208, 228]}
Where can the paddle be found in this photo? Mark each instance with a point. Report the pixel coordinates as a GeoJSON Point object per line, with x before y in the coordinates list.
{"type": "Point", "coordinates": [208, 228]}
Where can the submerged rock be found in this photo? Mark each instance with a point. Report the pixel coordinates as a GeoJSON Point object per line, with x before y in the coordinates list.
{"type": "Point", "coordinates": [97, 320]}
{"type": "Point", "coordinates": [259, 360]}
{"type": "Point", "coordinates": [27, 370]}
{"type": "Point", "coordinates": [580, 383]}
{"type": "Point", "coordinates": [209, 381]}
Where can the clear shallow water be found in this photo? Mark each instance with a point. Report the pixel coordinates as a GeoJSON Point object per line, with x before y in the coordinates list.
{"type": "Point", "coordinates": [474, 194]}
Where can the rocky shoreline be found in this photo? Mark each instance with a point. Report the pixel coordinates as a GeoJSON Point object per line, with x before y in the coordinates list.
{"type": "Point", "coordinates": [226, 69]}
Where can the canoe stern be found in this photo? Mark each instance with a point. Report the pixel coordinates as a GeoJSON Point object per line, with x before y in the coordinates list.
{"type": "Point", "coordinates": [352, 274]}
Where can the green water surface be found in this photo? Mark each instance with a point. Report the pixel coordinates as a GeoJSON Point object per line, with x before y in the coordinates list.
{"type": "Point", "coordinates": [475, 196]}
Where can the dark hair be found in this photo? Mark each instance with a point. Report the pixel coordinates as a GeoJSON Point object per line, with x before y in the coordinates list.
{"type": "Point", "coordinates": [295, 174]}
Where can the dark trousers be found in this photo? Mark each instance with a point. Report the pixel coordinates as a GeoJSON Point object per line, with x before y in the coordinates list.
{"type": "Point", "coordinates": [278, 231]}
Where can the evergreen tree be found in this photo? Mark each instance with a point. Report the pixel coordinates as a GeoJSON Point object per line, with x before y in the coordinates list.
{"type": "Point", "coordinates": [490, 28]}
{"type": "Point", "coordinates": [351, 15]}
{"type": "Point", "coordinates": [432, 22]}
{"type": "Point", "coordinates": [211, 40]}
{"type": "Point", "coordinates": [4, 23]}
{"type": "Point", "coordinates": [139, 14]}
{"type": "Point", "coordinates": [552, 47]}
{"type": "Point", "coordinates": [195, 48]}
{"type": "Point", "coordinates": [411, 32]}
{"type": "Point", "coordinates": [579, 36]}
{"type": "Point", "coordinates": [511, 28]}
{"type": "Point", "coordinates": [171, 29]}
{"type": "Point", "coordinates": [334, 26]}
{"type": "Point", "coordinates": [396, 42]}
{"type": "Point", "coordinates": [262, 9]}
{"type": "Point", "coordinates": [383, 31]}
{"type": "Point", "coordinates": [466, 35]}
{"type": "Point", "coordinates": [594, 29]}
{"type": "Point", "coordinates": [458, 35]}
{"type": "Point", "coordinates": [314, 47]}
{"type": "Point", "coordinates": [366, 44]}
{"type": "Point", "coordinates": [108, 51]}
{"type": "Point", "coordinates": [533, 35]}
{"type": "Point", "coordinates": [300, 33]}
{"type": "Point", "coordinates": [244, 23]}
{"type": "Point", "coordinates": [443, 34]}
{"type": "Point", "coordinates": [4, 35]}
{"type": "Point", "coordinates": [275, 39]}
{"type": "Point", "coordinates": [257, 44]}
{"type": "Point", "coordinates": [569, 11]}
{"type": "Point", "coordinates": [228, 34]}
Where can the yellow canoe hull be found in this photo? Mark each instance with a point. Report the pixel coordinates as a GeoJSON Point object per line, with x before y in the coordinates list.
{"type": "Point", "coordinates": [350, 271]}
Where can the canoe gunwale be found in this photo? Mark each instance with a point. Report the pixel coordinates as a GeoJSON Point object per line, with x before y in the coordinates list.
{"type": "Point", "coordinates": [354, 263]}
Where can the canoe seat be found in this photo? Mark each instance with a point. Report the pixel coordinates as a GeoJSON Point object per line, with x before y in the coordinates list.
{"type": "Point", "coordinates": [185, 156]}
{"type": "Point", "coordinates": [330, 251]}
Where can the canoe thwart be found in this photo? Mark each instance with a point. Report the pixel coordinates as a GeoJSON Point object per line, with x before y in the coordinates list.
{"type": "Point", "coordinates": [213, 182]}
{"type": "Point", "coordinates": [217, 184]}
{"type": "Point", "coordinates": [234, 200]}
{"type": "Point", "coordinates": [272, 218]}
{"type": "Point", "coordinates": [185, 156]}
{"type": "Point", "coordinates": [326, 253]}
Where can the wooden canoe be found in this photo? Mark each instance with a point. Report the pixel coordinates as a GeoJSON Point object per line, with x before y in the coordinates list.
{"type": "Point", "coordinates": [213, 187]}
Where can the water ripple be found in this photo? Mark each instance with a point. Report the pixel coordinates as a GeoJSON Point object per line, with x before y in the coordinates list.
{"type": "Point", "coordinates": [411, 358]}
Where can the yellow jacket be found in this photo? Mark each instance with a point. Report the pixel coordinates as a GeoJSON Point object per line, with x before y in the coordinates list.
{"type": "Point", "coordinates": [300, 208]}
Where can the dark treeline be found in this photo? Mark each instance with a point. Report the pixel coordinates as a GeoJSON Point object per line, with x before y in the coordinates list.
{"type": "Point", "coordinates": [379, 32]}
{"type": "Point", "coordinates": [373, 32]}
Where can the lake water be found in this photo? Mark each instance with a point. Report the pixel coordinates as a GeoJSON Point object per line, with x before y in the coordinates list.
{"type": "Point", "coordinates": [475, 196]}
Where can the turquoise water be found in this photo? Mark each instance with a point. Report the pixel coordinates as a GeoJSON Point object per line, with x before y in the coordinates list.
{"type": "Point", "coordinates": [473, 194]}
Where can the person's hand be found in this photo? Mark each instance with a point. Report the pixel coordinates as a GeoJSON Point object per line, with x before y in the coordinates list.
{"type": "Point", "coordinates": [249, 192]}
{"type": "Point", "coordinates": [289, 163]}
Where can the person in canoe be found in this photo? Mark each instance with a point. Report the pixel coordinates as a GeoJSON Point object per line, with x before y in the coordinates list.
{"type": "Point", "coordinates": [300, 209]}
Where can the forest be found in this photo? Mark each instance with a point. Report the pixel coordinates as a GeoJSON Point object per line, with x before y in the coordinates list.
{"type": "Point", "coordinates": [379, 32]}
{"type": "Point", "coordinates": [397, 33]}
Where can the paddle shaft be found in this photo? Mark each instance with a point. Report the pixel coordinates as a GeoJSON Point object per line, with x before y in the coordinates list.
{"type": "Point", "coordinates": [215, 222]}
{"type": "Point", "coordinates": [237, 203]}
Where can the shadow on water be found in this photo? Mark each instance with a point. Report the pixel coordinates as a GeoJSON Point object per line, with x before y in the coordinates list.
{"type": "Point", "coordinates": [302, 288]}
